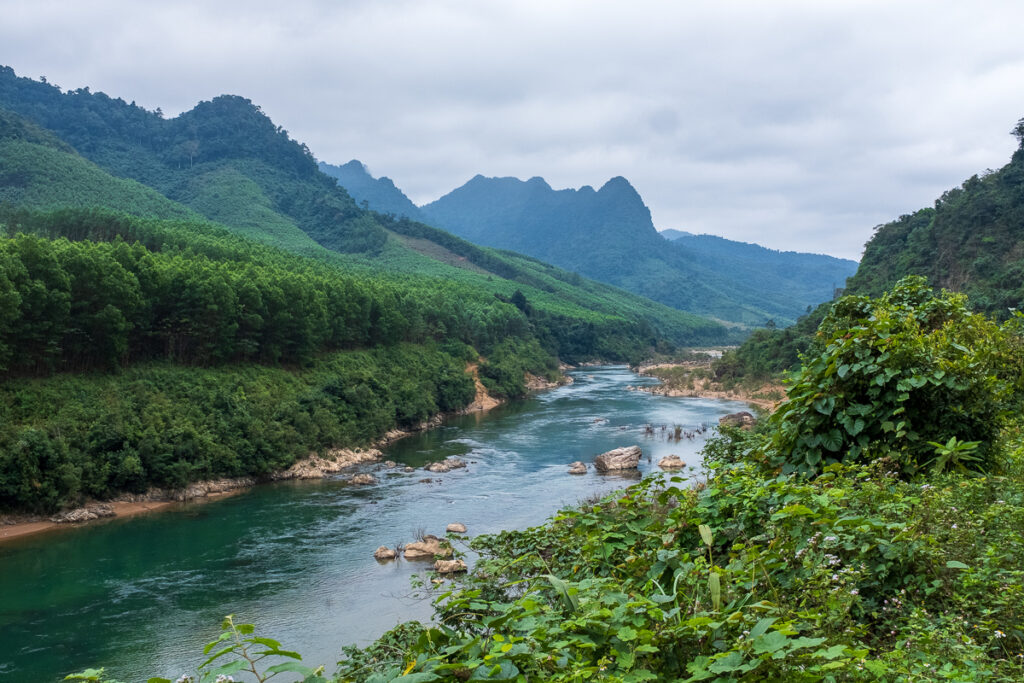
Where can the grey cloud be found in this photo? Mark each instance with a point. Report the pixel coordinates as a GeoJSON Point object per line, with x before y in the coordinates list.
{"type": "Point", "coordinates": [797, 125]}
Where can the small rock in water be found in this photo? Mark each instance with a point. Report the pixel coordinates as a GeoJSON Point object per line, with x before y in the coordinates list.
{"type": "Point", "coordinates": [363, 479]}
{"type": "Point", "coordinates": [408, 469]}
{"type": "Point", "coordinates": [390, 464]}
{"type": "Point", "coordinates": [578, 467]}
{"type": "Point", "coordinates": [427, 549]}
{"type": "Point", "coordinates": [384, 553]}
{"type": "Point", "coordinates": [449, 566]}
{"type": "Point", "coordinates": [671, 462]}
{"type": "Point", "coordinates": [627, 458]}
{"type": "Point", "coordinates": [445, 465]}
{"type": "Point", "coordinates": [456, 528]}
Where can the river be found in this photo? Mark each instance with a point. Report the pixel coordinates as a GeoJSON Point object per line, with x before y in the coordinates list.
{"type": "Point", "coordinates": [142, 595]}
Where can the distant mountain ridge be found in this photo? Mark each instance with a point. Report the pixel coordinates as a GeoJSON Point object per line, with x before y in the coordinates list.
{"type": "Point", "coordinates": [226, 161]}
{"type": "Point", "coordinates": [379, 194]}
{"type": "Point", "coordinates": [608, 234]}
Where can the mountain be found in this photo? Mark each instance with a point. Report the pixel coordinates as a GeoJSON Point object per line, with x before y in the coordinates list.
{"type": "Point", "coordinates": [225, 161]}
{"type": "Point", "coordinates": [608, 234]}
{"type": "Point", "coordinates": [810, 277]}
{"type": "Point", "coordinates": [376, 194]}
{"type": "Point", "coordinates": [192, 298]}
{"type": "Point", "coordinates": [671, 234]}
{"type": "Point", "coordinates": [971, 240]}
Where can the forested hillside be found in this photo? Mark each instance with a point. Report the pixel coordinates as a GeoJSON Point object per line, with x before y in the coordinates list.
{"type": "Point", "coordinates": [379, 194]}
{"type": "Point", "coordinates": [143, 344]}
{"type": "Point", "coordinates": [970, 241]}
{"type": "Point", "coordinates": [607, 234]}
{"type": "Point", "coordinates": [789, 274]}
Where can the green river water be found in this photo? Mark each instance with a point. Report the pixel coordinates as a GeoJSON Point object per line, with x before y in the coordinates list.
{"type": "Point", "coordinates": [142, 595]}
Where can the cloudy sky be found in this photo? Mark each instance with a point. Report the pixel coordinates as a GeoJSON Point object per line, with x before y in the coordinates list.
{"type": "Point", "coordinates": [798, 125]}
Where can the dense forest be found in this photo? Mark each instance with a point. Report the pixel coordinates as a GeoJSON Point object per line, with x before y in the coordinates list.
{"type": "Point", "coordinates": [199, 300]}
{"type": "Point", "coordinates": [971, 241]}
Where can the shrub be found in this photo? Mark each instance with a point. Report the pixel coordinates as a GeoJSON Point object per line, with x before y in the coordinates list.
{"type": "Point", "coordinates": [897, 373]}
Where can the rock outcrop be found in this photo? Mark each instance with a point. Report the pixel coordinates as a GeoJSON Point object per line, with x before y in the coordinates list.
{"type": "Point", "coordinates": [445, 465]}
{"type": "Point", "coordinates": [456, 528]}
{"type": "Point", "coordinates": [742, 419]}
{"type": "Point", "coordinates": [626, 458]}
{"type": "Point", "coordinates": [317, 467]}
{"type": "Point", "coordinates": [671, 462]}
{"type": "Point", "coordinates": [449, 566]}
{"type": "Point", "coordinates": [384, 553]}
{"type": "Point", "coordinates": [578, 467]}
{"type": "Point", "coordinates": [427, 549]}
{"type": "Point", "coordinates": [483, 400]}
{"type": "Point", "coordinates": [84, 514]}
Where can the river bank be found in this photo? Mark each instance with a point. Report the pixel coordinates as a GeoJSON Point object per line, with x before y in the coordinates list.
{"type": "Point", "coordinates": [315, 466]}
{"type": "Point", "coordinates": [143, 595]}
{"type": "Point", "coordinates": [692, 379]}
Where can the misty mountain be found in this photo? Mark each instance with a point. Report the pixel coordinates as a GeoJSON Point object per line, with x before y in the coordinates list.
{"type": "Point", "coordinates": [379, 194]}
{"type": "Point", "coordinates": [608, 234]}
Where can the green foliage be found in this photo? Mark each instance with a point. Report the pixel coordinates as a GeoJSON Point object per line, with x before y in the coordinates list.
{"type": "Point", "coordinates": [854, 575]}
{"type": "Point", "coordinates": [43, 177]}
{"type": "Point", "coordinates": [767, 353]}
{"type": "Point", "coordinates": [506, 366]}
{"type": "Point", "coordinates": [896, 373]}
{"type": "Point", "coordinates": [163, 425]}
{"type": "Point", "coordinates": [969, 242]}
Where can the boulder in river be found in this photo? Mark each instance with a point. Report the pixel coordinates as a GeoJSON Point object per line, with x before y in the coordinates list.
{"type": "Point", "coordinates": [742, 419]}
{"type": "Point", "coordinates": [449, 566]}
{"type": "Point", "coordinates": [427, 549]}
{"type": "Point", "coordinates": [445, 465]}
{"type": "Point", "coordinates": [456, 528]}
{"type": "Point", "coordinates": [578, 467]}
{"type": "Point", "coordinates": [671, 462]}
{"type": "Point", "coordinates": [363, 479]}
{"type": "Point", "coordinates": [626, 458]}
{"type": "Point", "coordinates": [384, 553]}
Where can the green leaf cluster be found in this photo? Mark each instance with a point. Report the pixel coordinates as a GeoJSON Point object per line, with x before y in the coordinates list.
{"type": "Point", "coordinates": [896, 373]}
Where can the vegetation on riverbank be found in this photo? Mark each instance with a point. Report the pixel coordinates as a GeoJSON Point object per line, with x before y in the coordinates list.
{"type": "Point", "coordinates": [140, 352]}
{"type": "Point", "coordinates": [158, 424]}
{"type": "Point", "coordinates": [895, 559]}
{"type": "Point", "coordinates": [969, 242]}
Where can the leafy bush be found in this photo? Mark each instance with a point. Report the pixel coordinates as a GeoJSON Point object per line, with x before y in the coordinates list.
{"type": "Point", "coordinates": [897, 373]}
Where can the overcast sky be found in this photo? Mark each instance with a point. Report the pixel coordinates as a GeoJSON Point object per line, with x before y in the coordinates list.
{"type": "Point", "coordinates": [797, 125]}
